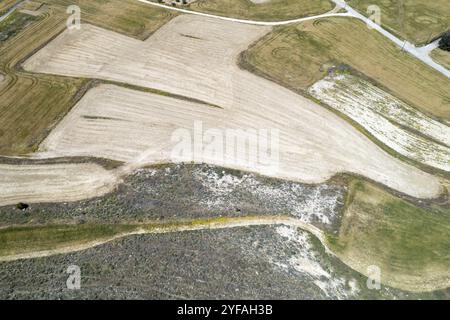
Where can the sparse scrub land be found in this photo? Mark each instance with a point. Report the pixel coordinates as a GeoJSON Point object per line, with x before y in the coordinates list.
{"type": "Point", "coordinates": [273, 10]}
{"type": "Point", "coordinates": [184, 191]}
{"type": "Point", "coordinates": [299, 55]}
{"type": "Point", "coordinates": [418, 21]}
{"type": "Point", "coordinates": [408, 243]}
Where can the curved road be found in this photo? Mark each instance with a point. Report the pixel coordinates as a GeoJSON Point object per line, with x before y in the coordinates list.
{"type": "Point", "coordinates": [417, 52]}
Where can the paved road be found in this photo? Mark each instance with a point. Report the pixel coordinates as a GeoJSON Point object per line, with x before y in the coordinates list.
{"type": "Point", "coordinates": [253, 22]}
{"type": "Point", "coordinates": [417, 52]}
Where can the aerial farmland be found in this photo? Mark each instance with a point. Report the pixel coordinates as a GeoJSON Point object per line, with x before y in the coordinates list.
{"type": "Point", "coordinates": [234, 149]}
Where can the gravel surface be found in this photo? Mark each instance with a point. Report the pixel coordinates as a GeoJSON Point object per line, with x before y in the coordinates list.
{"type": "Point", "coordinates": [239, 263]}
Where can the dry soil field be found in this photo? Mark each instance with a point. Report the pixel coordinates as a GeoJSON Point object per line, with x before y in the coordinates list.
{"type": "Point", "coordinates": [49, 183]}
{"type": "Point", "coordinates": [314, 143]}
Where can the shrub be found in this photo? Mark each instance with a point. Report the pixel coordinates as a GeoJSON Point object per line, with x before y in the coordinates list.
{"type": "Point", "coordinates": [444, 43]}
{"type": "Point", "coordinates": [22, 206]}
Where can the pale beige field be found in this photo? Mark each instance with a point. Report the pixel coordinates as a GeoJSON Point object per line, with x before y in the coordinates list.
{"type": "Point", "coordinates": [196, 57]}
{"type": "Point", "coordinates": [53, 183]}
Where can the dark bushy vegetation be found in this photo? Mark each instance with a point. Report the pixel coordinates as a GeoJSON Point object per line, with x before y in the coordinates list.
{"type": "Point", "coordinates": [22, 206]}
{"type": "Point", "coordinates": [444, 43]}
{"type": "Point", "coordinates": [14, 24]}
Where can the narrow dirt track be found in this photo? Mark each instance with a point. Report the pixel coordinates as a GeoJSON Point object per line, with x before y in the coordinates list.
{"type": "Point", "coordinates": [182, 227]}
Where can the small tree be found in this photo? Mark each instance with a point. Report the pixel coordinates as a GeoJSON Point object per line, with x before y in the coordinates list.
{"type": "Point", "coordinates": [444, 43]}
{"type": "Point", "coordinates": [22, 206]}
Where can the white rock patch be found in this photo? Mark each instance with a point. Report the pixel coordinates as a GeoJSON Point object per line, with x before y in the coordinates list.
{"type": "Point", "coordinates": [387, 118]}
{"type": "Point", "coordinates": [307, 262]}
{"type": "Point", "coordinates": [308, 203]}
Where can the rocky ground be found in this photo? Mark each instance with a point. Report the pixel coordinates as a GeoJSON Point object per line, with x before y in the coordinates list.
{"type": "Point", "coordinates": [254, 263]}
{"type": "Point", "coordinates": [192, 191]}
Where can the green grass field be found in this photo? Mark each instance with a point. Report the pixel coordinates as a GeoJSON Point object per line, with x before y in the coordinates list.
{"type": "Point", "coordinates": [418, 21]}
{"type": "Point", "coordinates": [296, 56]}
{"type": "Point", "coordinates": [272, 10]}
{"type": "Point", "coordinates": [410, 245]}
{"type": "Point", "coordinates": [14, 24]}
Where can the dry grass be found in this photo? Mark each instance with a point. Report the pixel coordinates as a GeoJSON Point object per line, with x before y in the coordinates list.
{"type": "Point", "coordinates": [23, 240]}
{"type": "Point", "coordinates": [395, 124]}
{"type": "Point", "coordinates": [409, 244]}
{"type": "Point", "coordinates": [31, 104]}
{"type": "Point", "coordinates": [272, 10]}
{"type": "Point", "coordinates": [418, 21]}
{"type": "Point", "coordinates": [121, 124]}
{"type": "Point", "coordinates": [299, 55]}
{"type": "Point", "coordinates": [31, 5]}
{"type": "Point", "coordinates": [129, 17]}
{"type": "Point", "coordinates": [442, 57]}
